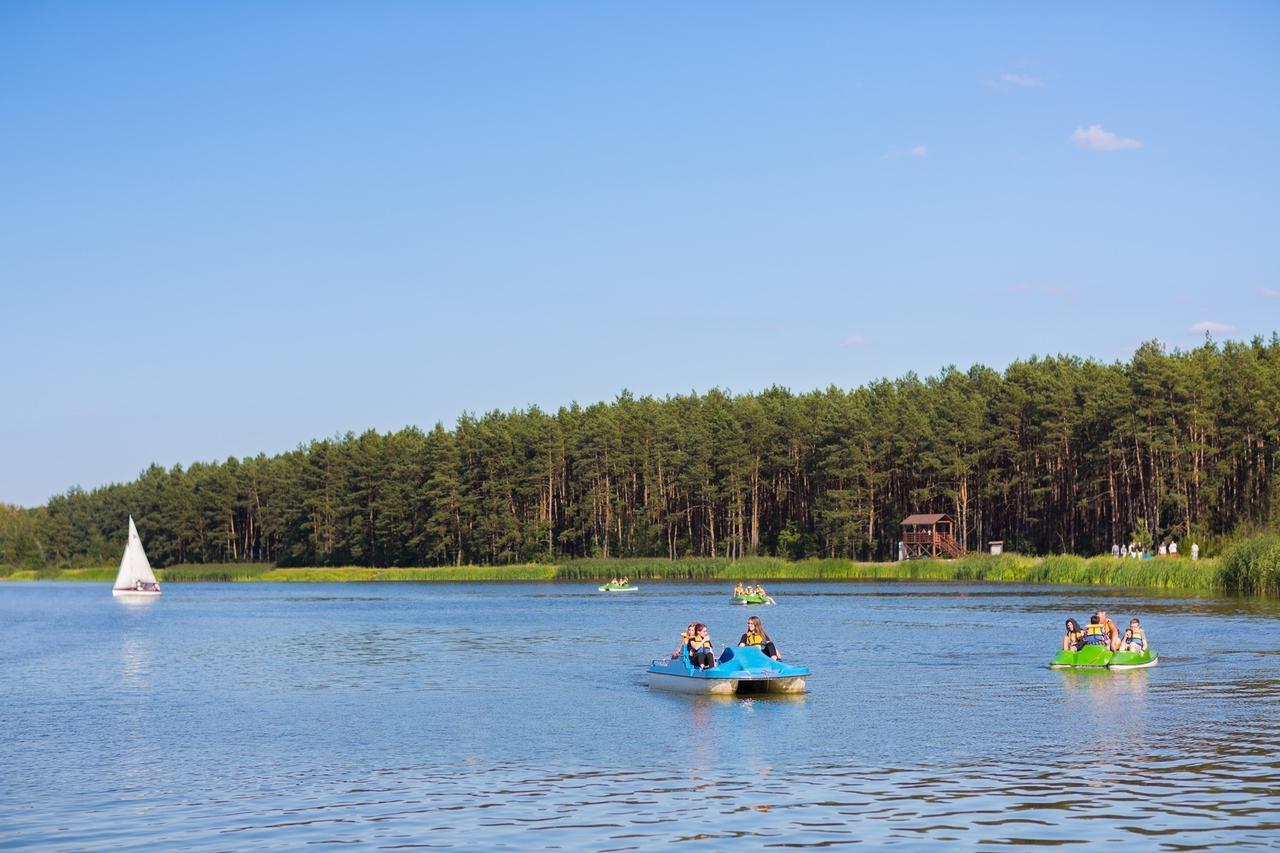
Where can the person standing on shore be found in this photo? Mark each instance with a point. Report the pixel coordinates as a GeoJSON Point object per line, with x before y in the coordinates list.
{"type": "Point", "coordinates": [1195, 551]}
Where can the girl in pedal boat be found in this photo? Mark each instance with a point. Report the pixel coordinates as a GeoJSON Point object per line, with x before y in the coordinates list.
{"type": "Point", "coordinates": [1071, 642]}
{"type": "Point", "coordinates": [701, 653]}
{"type": "Point", "coordinates": [756, 636]}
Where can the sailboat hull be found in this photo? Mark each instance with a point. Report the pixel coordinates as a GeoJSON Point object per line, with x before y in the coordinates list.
{"type": "Point", "coordinates": [133, 593]}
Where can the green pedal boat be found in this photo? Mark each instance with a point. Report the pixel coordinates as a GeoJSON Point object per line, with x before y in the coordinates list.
{"type": "Point", "coordinates": [1100, 657]}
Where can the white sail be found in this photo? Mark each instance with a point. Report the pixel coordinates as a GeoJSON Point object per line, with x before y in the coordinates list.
{"type": "Point", "coordinates": [134, 566]}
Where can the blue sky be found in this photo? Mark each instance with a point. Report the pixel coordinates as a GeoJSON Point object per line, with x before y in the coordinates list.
{"type": "Point", "coordinates": [229, 228]}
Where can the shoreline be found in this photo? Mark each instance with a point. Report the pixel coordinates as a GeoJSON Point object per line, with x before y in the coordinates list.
{"type": "Point", "coordinates": [1176, 574]}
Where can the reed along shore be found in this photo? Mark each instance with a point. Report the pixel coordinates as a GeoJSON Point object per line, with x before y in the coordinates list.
{"type": "Point", "coordinates": [1251, 568]}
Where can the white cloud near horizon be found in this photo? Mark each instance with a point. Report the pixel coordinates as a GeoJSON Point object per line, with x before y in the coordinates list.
{"type": "Point", "coordinates": [1212, 327]}
{"type": "Point", "coordinates": [1094, 138]}
{"type": "Point", "coordinates": [918, 151]}
{"type": "Point", "coordinates": [854, 342]}
{"type": "Point", "coordinates": [1025, 81]}
{"type": "Point", "coordinates": [1269, 293]}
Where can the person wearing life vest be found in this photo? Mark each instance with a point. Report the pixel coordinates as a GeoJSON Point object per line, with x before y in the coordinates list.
{"type": "Point", "coordinates": [701, 653]}
{"type": "Point", "coordinates": [1071, 642]}
{"type": "Point", "coordinates": [1095, 634]}
{"type": "Point", "coordinates": [737, 590]}
{"type": "Point", "coordinates": [756, 636]}
{"type": "Point", "coordinates": [1113, 633]}
{"type": "Point", "coordinates": [685, 637]}
{"type": "Point", "coordinates": [1135, 639]}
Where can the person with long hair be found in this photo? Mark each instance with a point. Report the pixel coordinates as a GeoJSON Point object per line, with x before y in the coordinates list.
{"type": "Point", "coordinates": [1075, 634]}
{"type": "Point", "coordinates": [701, 653]}
{"type": "Point", "coordinates": [758, 637]}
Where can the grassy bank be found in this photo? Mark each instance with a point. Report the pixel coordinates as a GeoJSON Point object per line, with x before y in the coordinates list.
{"type": "Point", "coordinates": [1202, 575]}
{"type": "Point", "coordinates": [1252, 567]}
{"type": "Point", "coordinates": [1247, 572]}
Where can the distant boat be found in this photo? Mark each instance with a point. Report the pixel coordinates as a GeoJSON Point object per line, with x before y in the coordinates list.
{"type": "Point", "coordinates": [135, 577]}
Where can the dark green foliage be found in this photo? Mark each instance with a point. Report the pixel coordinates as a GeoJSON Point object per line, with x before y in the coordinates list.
{"type": "Point", "coordinates": [1055, 455]}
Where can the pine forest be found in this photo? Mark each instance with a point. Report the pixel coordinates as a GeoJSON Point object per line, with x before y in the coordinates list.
{"type": "Point", "coordinates": [1054, 455]}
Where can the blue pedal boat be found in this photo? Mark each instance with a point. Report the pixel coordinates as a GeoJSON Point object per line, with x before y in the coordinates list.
{"type": "Point", "coordinates": [740, 671]}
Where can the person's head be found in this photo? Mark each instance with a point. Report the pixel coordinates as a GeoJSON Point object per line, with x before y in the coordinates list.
{"type": "Point", "coordinates": [691, 629]}
{"type": "Point", "coordinates": [700, 630]}
{"type": "Point", "coordinates": [754, 626]}
{"type": "Point", "coordinates": [1094, 620]}
{"type": "Point", "coordinates": [1134, 623]}
{"type": "Point", "coordinates": [1102, 616]}
{"type": "Point", "coordinates": [1073, 626]}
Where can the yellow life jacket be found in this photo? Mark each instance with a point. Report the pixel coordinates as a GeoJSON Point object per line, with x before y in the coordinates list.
{"type": "Point", "coordinates": [1136, 634]}
{"type": "Point", "coordinates": [1095, 631]}
{"type": "Point", "coordinates": [754, 639]}
{"type": "Point", "coordinates": [695, 644]}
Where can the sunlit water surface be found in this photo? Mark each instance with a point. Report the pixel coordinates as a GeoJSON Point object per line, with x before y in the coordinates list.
{"type": "Point", "coordinates": [517, 716]}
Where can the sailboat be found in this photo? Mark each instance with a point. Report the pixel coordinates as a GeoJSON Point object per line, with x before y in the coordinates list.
{"type": "Point", "coordinates": [135, 577]}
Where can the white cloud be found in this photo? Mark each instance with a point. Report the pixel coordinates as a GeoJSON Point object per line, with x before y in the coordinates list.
{"type": "Point", "coordinates": [1269, 293]}
{"type": "Point", "coordinates": [918, 151]}
{"type": "Point", "coordinates": [1026, 81]}
{"type": "Point", "coordinates": [854, 342]}
{"type": "Point", "coordinates": [1211, 327]}
{"type": "Point", "coordinates": [1097, 139]}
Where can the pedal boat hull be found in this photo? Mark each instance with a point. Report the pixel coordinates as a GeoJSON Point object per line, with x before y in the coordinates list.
{"type": "Point", "coordinates": [1100, 657]}
{"type": "Point", "coordinates": [739, 672]}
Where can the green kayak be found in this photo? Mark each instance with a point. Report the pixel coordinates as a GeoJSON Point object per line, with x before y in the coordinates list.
{"type": "Point", "coordinates": [1100, 657]}
{"type": "Point", "coordinates": [617, 587]}
{"type": "Point", "coordinates": [750, 599]}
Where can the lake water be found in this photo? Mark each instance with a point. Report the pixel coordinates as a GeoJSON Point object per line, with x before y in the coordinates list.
{"type": "Point", "coordinates": [516, 716]}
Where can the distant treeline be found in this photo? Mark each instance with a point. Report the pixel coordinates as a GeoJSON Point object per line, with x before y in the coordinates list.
{"type": "Point", "coordinates": [1054, 455]}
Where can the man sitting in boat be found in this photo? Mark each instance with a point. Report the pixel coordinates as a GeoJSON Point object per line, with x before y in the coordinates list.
{"type": "Point", "coordinates": [1095, 634]}
{"type": "Point", "coordinates": [1071, 642]}
{"type": "Point", "coordinates": [701, 653]}
{"type": "Point", "coordinates": [737, 590]}
{"type": "Point", "coordinates": [756, 636]}
{"type": "Point", "coordinates": [1135, 639]}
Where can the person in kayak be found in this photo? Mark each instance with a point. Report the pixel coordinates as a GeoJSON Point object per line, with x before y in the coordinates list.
{"type": "Point", "coordinates": [1071, 642]}
{"type": "Point", "coordinates": [756, 636]}
{"type": "Point", "coordinates": [1095, 633]}
{"type": "Point", "coordinates": [1113, 633]}
{"type": "Point", "coordinates": [737, 590]}
{"type": "Point", "coordinates": [701, 653]}
{"type": "Point", "coordinates": [1135, 639]}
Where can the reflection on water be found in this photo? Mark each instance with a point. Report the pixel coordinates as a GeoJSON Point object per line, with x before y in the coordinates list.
{"type": "Point", "coordinates": [517, 716]}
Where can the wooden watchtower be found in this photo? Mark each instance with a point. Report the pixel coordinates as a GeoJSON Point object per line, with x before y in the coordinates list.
{"type": "Point", "coordinates": [930, 536]}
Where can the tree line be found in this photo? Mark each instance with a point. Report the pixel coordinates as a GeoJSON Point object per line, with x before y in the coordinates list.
{"type": "Point", "coordinates": [1056, 454]}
